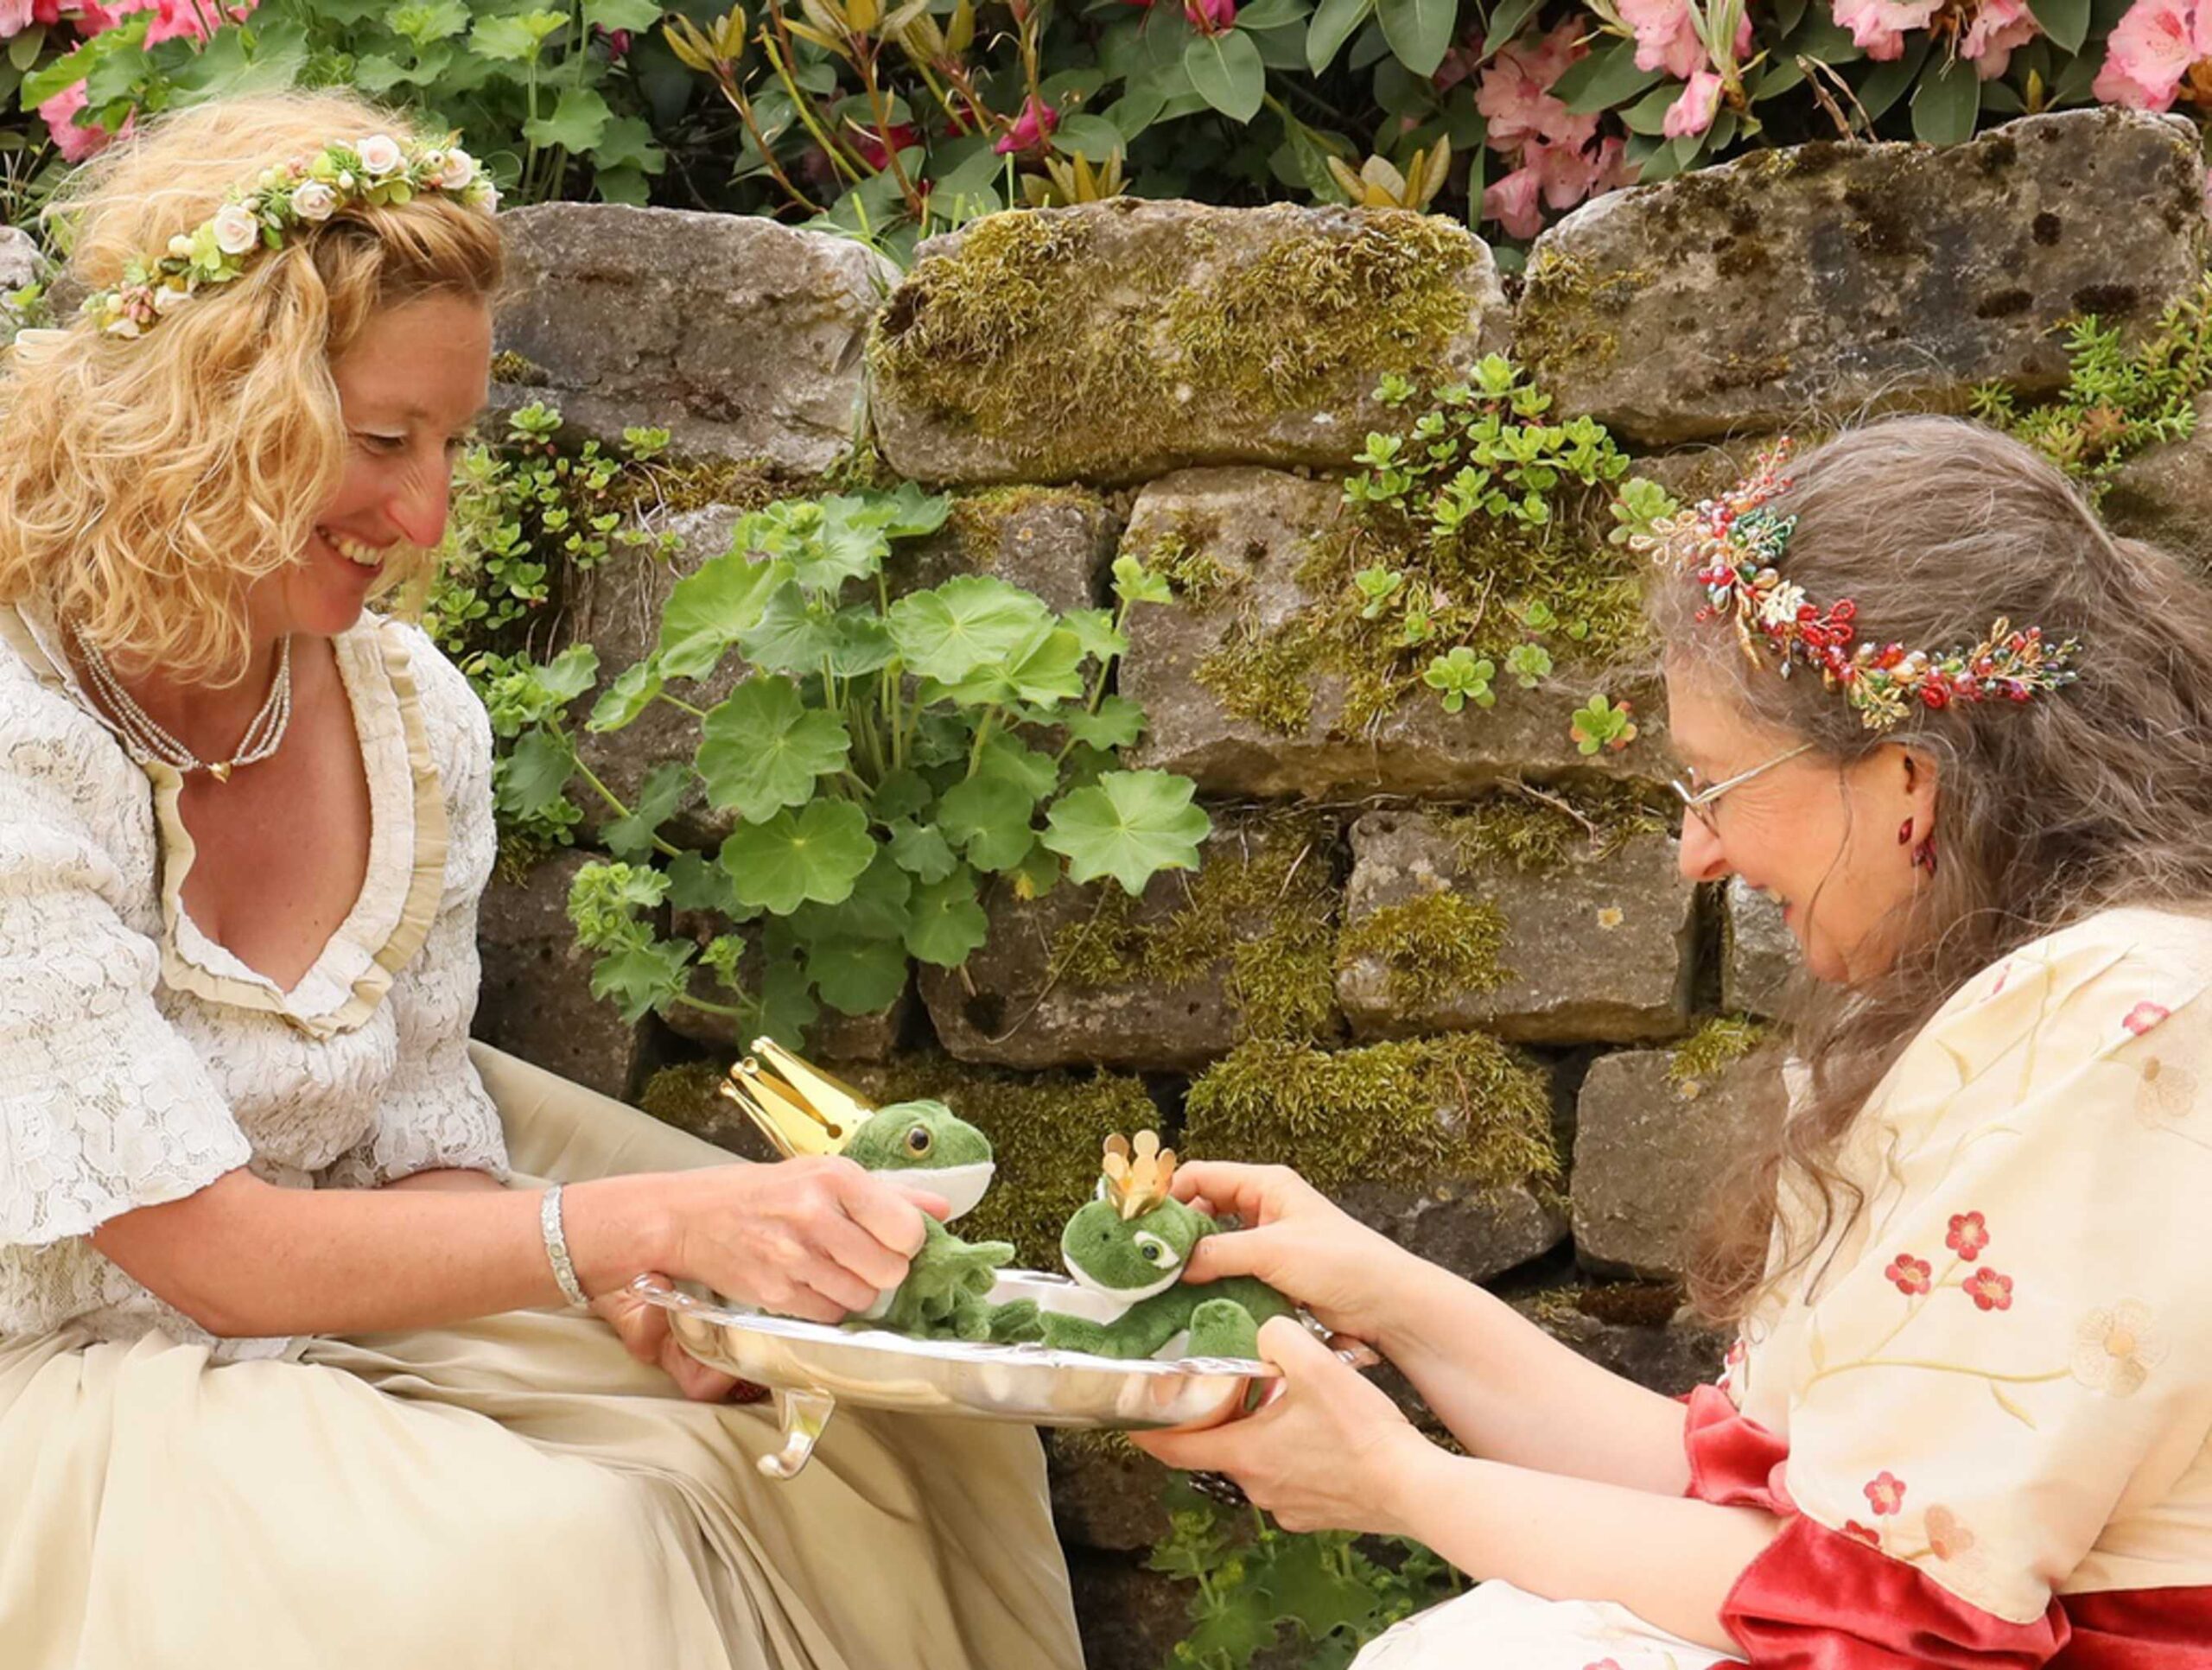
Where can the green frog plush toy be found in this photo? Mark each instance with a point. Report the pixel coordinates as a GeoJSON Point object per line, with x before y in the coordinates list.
{"type": "Point", "coordinates": [1131, 1244]}
{"type": "Point", "coordinates": [922, 1146]}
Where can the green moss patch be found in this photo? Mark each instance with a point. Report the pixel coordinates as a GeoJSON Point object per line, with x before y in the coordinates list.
{"type": "Point", "coordinates": [1434, 946]}
{"type": "Point", "coordinates": [1719, 1045]}
{"type": "Point", "coordinates": [1462, 1106]}
{"type": "Point", "coordinates": [1536, 836]}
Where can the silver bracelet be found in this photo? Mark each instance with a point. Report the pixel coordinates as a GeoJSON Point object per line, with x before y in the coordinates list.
{"type": "Point", "coordinates": [556, 1247]}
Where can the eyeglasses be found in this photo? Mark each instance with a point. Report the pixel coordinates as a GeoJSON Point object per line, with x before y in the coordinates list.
{"type": "Point", "coordinates": [1698, 802]}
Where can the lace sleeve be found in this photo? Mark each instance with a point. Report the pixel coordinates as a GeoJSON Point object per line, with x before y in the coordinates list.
{"type": "Point", "coordinates": [103, 1107]}
{"type": "Point", "coordinates": [434, 1113]}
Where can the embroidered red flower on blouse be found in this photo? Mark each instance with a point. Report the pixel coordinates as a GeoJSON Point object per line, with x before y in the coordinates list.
{"type": "Point", "coordinates": [1885, 1492]}
{"type": "Point", "coordinates": [2144, 1016]}
{"type": "Point", "coordinates": [1911, 1274]}
{"type": "Point", "coordinates": [1865, 1534]}
{"type": "Point", "coordinates": [1969, 1235]}
{"type": "Point", "coordinates": [1988, 1290]}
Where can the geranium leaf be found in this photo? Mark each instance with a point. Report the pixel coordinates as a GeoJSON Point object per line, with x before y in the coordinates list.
{"type": "Point", "coordinates": [1130, 825]}
{"type": "Point", "coordinates": [1017, 763]}
{"type": "Point", "coordinates": [642, 977]}
{"type": "Point", "coordinates": [875, 909]}
{"type": "Point", "coordinates": [763, 748]}
{"type": "Point", "coordinates": [947, 922]}
{"type": "Point", "coordinates": [849, 542]}
{"type": "Point", "coordinates": [1117, 724]}
{"type": "Point", "coordinates": [1094, 629]}
{"type": "Point", "coordinates": [793, 634]}
{"type": "Point", "coordinates": [630, 694]}
{"type": "Point", "coordinates": [922, 851]}
{"type": "Point", "coordinates": [579, 117]}
{"type": "Point", "coordinates": [902, 793]}
{"type": "Point", "coordinates": [664, 791]}
{"type": "Point", "coordinates": [534, 773]}
{"type": "Point", "coordinates": [987, 817]}
{"type": "Point", "coordinates": [788, 861]}
{"type": "Point", "coordinates": [970, 621]}
{"type": "Point", "coordinates": [857, 976]}
{"type": "Point", "coordinates": [859, 641]}
{"type": "Point", "coordinates": [695, 882]}
{"type": "Point", "coordinates": [707, 610]}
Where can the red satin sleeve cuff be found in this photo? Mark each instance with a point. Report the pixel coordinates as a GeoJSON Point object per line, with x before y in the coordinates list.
{"type": "Point", "coordinates": [1734, 1463]}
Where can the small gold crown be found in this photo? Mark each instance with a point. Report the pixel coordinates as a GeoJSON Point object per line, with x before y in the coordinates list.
{"type": "Point", "coordinates": [1136, 1182]}
{"type": "Point", "coordinates": [799, 1108]}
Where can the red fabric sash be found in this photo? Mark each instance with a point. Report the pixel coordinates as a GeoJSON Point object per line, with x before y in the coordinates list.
{"type": "Point", "coordinates": [1818, 1599]}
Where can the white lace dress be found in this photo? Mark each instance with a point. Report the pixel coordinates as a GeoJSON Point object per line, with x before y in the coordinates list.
{"type": "Point", "coordinates": [139, 1061]}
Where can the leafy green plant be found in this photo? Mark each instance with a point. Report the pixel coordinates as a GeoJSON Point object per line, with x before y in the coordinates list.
{"type": "Point", "coordinates": [881, 758]}
{"type": "Point", "coordinates": [1325, 1595]}
{"type": "Point", "coordinates": [1462, 679]}
{"type": "Point", "coordinates": [1599, 724]}
{"type": "Point", "coordinates": [2120, 398]}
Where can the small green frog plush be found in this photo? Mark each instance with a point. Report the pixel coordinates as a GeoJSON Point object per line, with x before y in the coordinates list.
{"type": "Point", "coordinates": [924, 1146]}
{"type": "Point", "coordinates": [1131, 1243]}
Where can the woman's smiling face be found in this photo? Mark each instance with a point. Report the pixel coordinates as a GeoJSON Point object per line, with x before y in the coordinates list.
{"type": "Point", "coordinates": [1823, 838]}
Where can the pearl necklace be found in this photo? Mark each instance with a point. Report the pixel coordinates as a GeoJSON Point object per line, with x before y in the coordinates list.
{"type": "Point", "coordinates": [149, 740]}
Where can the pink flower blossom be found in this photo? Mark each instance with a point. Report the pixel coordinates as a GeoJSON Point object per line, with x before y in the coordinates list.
{"type": "Point", "coordinates": [1514, 95]}
{"type": "Point", "coordinates": [75, 144]}
{"type": "Point", "coordinates": [1878, 27]}
{"type": "Point", "coordinates": [1969, 1235]}
{"type": "Point", "coordinates": [1909, 1274]}
{"type": "Point", "coordinates": [1694, 112]}
{"type": "Point", "coordinates": [1666, 36]}
{"type": "Point", "coordinates": [1885, 1492]}
{"type": "Point", "coordinates": [1511, 202]}
{"type": "Point", "coordinates": [1999, 27]}
{"type": "Point", "coordinates": [1210, 16]}
{"type": "Point", "coordinates": [14, 18]}
{"type": "Point", "coordinates": [1990, 1290]}
{"type": "Point", "coordinates": [2144, 1016]}
{"type": "Point", "coordinates": [2150, 50]}
{"type": "Point", "coordinates": [1566, 173]}
{"type": "Point", "coordinates": [1030, 129]}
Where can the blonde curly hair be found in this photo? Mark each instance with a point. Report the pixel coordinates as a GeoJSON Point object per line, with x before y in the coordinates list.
{"type": "Point", "coordinates": [146, 484]}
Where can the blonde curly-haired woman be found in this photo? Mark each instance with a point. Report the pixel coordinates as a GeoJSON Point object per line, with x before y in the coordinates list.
{"type": "Point", "coordinates": [286, 1373]}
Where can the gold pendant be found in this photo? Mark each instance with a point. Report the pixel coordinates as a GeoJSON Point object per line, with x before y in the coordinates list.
{"type": "Point", "coordinates": [221, 770]}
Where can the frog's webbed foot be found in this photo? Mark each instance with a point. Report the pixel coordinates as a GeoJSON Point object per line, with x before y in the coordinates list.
{"type": "Point", "coordinates": [1016, 1322]}
{"type": "Point", "coordinates": [1223, 1328]}
{"type": "Point", "coordinates": [1067, 1333]}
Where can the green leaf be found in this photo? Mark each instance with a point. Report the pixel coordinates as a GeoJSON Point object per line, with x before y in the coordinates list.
{"type": "Point", "coordinates": [578, 118]}
{"type": "Point", "coordinates": [622, 14]}
{"type": "Point", "coordinates": [1094, 135]}
{"type": "Point", "coordinates": [858, 976]}
{"type": "Point", "coordinates": [621, 703]}
{"type": "Point", "coordinates": [1036, 875]}
{"type": "Point", "coordinates": [786, 861]}
{"type": "Point", "coordinates": [1505, 21]}
{"type": "Point", "coordinates": [901, 793]}
{"type": "Point", "coordinates": [1015, 762]}
{"type": "Point", "coordinates": [709, 611]}
{"type": "Point", "coordinates": [663, 792]}
{"type": "Point", "coordinates": [1117, 724]}
{"type": "Point", "coordinates": [970, 621]}
{"type": "Point", "coordinates": [989, 817]}
{"type": "Point", "coordinates": [1946, 103]}
{"type": "Point", "coordinates": [2066, 21]}
{"type": "Point", "coordinates": [1648, 113]}
{"type": "Point", "coordinates": [859, 641]}
{"type": "Point", "coordinates": [793, 634]}
{"type": "Point", "coordinates": [1605, 79]}
{"type": "Point", "coordinates": [1047, 670]}
{"type": "Point", "coordinates": [849, 542]}
{"type": "Point", "coordinates": [1227, 72]}
{"type": "Point", "coordinates": [643, 977]}
{"type": "Point", "coordinates": [628, 143]}
{"type": "Point", "coordinates": [947, 924]}
{"type": "Point", "coordinates": [63, 74]}
{"type": "Point", "coordinates": [698, 883]}
{"type": "Point", "coordinates": [1419, 31]}
{"type": "Point", "coordinates": [762, 749]}
{"type": "Point", "coordinates": [1260, 15]}
{"type": "Point", "coordinates": [1094, 629]}
{"type": "Point", "coordinates": [1130, 825]}
{"type": "Point", "coordinates": [909, 512]}
{"type": "Point", "coordinates": [875, 909]}
{"type": "Point", "coordinates": [534, 774]}
{"type": "Point", "coordinates": [568, 674]}
{"type": "Point", "coordinates": [922, 851]}
{"type": "Point", "coordinates": [511, 40]}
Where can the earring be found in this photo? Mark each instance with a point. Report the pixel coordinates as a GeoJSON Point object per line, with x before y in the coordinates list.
{"type": "Point", "coordinates": [1904, 833]}
{"type": "Point", "coordinates": [1923, 855]}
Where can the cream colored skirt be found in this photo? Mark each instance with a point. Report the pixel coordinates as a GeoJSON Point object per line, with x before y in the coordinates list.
{"type": "Point", "coordinates": [1495, 1626]}
{"type": "Point", "coordinates": [517, 1492]}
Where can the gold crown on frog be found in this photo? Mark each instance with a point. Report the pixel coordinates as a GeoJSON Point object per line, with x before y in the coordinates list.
{"type": "Point", "coordinates": [1136, 1178]}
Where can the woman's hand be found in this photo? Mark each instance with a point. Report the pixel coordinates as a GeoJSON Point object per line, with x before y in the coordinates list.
{"type": "Point", "coordinates": [643, 1328]}
{"type": "Point", "coordinates": [1297, 1241]}
{"type": "Point", "coordinates": [1330, 1451]}
{"type": "Point", "coordinates": [815, 1238]}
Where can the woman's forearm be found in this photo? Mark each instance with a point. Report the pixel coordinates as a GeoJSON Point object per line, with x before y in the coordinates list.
{"type": "Point", "coordinates": [1510, 1393]}
{"type": "Point", "coordinates": [1671, 1561]}
{"type": "Point", "coordinates": [246, 1258]}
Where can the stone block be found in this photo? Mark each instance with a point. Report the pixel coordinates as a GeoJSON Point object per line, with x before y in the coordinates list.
{"type": "Point", "coordinates": [536, 999]}
{"type": "Point", "coordinates": [1759, 952]}
{"type": "Point", "coordinates": [1112, 341]}
{"type": "Point", "coordinates": [1859, 277]}
{"type": "Point", "coordinates": [1443, 930]}
{"type": "Point", "coordinates": [1668, 1357]}
{"type": "Point", "coordinates": [1654, 1130]}
{"type": "Point", "coordinates": [21, 262]}
{"type": "Point", "coordinates": [616, 608]}
{"type": "Point", "coordinates": [2164, 495]}
{"type": "Point", "coordinates": [1254, 528]}
{"type": "Point", "coordinates": [1106, 1492]}
{"type": "Point", "coordinates": [1055, 542]}
{"type": "Point", "coordinates": [1475, 1233]}
{"type": "Point", "coordinates": [742, 336]}
{"type": "Point", "coordinates": [1166, 982]}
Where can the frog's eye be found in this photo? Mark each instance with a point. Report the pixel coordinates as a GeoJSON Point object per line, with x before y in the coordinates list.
{"type": "Point", "coordinates": [1155, 1251]}
{"type": "Point", "coordinates": [918, 1141]}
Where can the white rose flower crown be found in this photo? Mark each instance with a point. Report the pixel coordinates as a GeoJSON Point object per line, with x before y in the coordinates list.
{"type": "Point", "coordinates": [305, 192]}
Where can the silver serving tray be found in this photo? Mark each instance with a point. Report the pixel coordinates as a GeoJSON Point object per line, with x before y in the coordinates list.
{"type": "Point", "coordinates": [812, 1368]}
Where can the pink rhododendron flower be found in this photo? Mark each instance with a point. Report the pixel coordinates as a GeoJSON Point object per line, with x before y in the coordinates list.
{"type": "Point", "coordinates": [1030, 129]}
{"type": "Point", "coordinates": [1694, 112]}
{"type": "Point", "coordinates": [2150, 50]}
{"type": "Point", "coordinates": [1210, 16]}
{"type": "Point", "coordinates": [1878, 27]}
{"type": "Point", "coordinates": [75, 144]}
{"type": "Point", "coordinates": [1999, 27]}
{"type": "Point", "coordinates": [1514, 95]}
{"type": "Point", "coordinates": [14, 18]}
{"type": "Point", "coordinates": [873, 151]}
{"type": "Point", "coordinates": [1666, 37]}
{"type": "Point", "coordinates": [1512, 202]}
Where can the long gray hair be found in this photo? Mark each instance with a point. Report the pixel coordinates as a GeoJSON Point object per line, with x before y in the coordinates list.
{"type": "Point", "coordinates": [2097, 796]}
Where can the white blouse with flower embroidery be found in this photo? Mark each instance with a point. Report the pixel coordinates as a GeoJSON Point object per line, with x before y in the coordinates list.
{"type": "Point", "coordinates": [139, 1060]}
